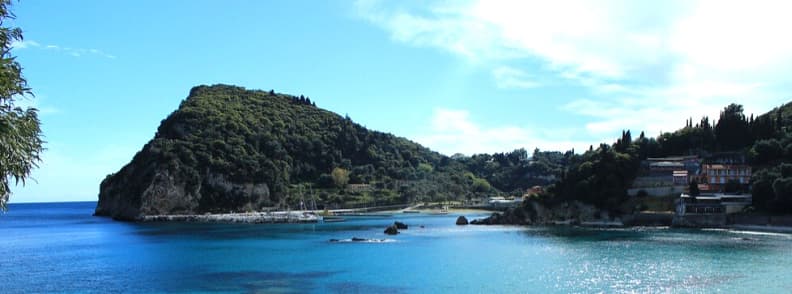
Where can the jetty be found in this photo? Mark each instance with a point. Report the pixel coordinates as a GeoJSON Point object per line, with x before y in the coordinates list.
{"type": "Point", "coordinates": [272, 217]}
{"type": "Point", "coordinates": [246, 217]}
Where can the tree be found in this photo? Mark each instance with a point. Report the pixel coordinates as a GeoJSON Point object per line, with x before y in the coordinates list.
{"type": "Point", "coordinates": [481, 185]}
{"type": "Point", "coordinates": [732, 131]}
{"type": "Point", "coordinates": [20, 133]}
{"type": "Point", "coordinates": [732, 186]}
{"type": "Point", "coordinates": [340, 177]}
{"type": "Point", "coordinates": [694, 189]}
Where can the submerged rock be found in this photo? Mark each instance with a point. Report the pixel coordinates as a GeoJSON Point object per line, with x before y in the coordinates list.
{"type": "Point", "coordinates": [361, 240]}
{"type": "Point", "coordinates": [400, 225]}
{"type": "Point", "coordinates": [462, 220]}
{"type": "Point", "coordinates": [391, 230]}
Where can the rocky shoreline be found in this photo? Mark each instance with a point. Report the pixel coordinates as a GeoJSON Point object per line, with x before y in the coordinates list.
{"type": "Point", "coordinates": [571, 213]}
{"type": "Point", "coordinates": [534, 213]}
{"type": "Point", "coordinates": [582, 215]}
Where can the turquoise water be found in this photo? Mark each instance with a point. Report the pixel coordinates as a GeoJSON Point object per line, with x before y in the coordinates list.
{"type": "Point", "coordinates": [61, 248]}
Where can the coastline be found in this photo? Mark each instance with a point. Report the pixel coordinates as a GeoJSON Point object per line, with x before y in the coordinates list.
{"type": "Point", "coordinates": [643, 219]}
{"type": "Point", "coordinates": [761, 228]}
{"type": "Point", "coordinates": [245, 217]}
{"type": "Point", "coordinates": [281, 217]}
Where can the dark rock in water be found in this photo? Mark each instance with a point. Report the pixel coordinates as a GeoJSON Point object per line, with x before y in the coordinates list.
{"type": "Point", "coordinates": [391, 230]}
{"type": "Point", "coordinates": [358, 240]}
{"type": "Point", "coordinates": [494, 219]}
{"type": "Point", "coordinates": [508, 217]}
{"type": "Point", "coordinates": [400, 225]}
{"type": "Point", "coordinates": [421, 227]}
{"type": "Point", "coordinates": [462, 220]}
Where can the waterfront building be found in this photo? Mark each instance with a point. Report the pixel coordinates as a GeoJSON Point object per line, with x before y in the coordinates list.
{"type": "Point", "coordinates": [503, 202]}
{"type": "Point", "coordinates": [712, 203]}
{"type": "Point", "coordinates": [719, 169]}
{"type": "Point", "coordinates": [717, 175]}
{"type": "Point", "coordinates": [708, 210]}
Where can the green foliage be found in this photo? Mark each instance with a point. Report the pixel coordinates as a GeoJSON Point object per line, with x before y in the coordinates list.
{"type": "Point", "coordinates": [20, 132]}
{"type": "Point", "coordinates": [340, 177]}
{"type": "Point", "coordinates": [283, 140]}
{"type": "Point", "coordinates": [766, 151]}
{"type": "Point", "coordinates": [732, 186]}
{"type": "Point", "coordinates": [693, 188]}
{"type": "Point", "coordinates": [515, 171]}
{"type": "Point", "coordinates": [733, 131]}
{"type": "Point", "coordinates": [481, 185]}
{"type": "Point", "coordinates": [255, 137]}
{"type": "Point", "coordinates": [771, 156]}
{"type": "Point", "coordinates": [599, 177]}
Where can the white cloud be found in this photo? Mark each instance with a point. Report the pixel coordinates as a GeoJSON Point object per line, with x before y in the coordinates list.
{"type": "Point", "coordinates": [509, 77]}
{"type": "Point", "coordinates": [17, 44]}
{"type": "Point", "coordinates": [453, 131]}
{"type": "Point", "coordinates": [75, 52]}
{"type": "Point", "coordinates": [647, 63]}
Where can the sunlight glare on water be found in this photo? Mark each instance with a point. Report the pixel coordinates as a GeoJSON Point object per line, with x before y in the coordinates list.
{"type": "Point", "coordinates": [62, 248]}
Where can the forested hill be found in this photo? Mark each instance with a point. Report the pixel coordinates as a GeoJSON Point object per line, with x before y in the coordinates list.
{"type": "Point", "coordinates": [771, 157]}
{"type": "Point", "coordinates": [231, 149]}
{"type": "Point", "coordinates": [602, 175]}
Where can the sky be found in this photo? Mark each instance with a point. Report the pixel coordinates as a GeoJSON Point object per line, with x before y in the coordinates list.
{"type": "Point", "coordinates": [456, 76]}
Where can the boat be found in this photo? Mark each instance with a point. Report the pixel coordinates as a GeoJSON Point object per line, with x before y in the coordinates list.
{"type": "Point", "coordinates": [332, 219]}
{"type": "Point", "coordinates": [443, 211]}
{"type": "Point", "coordinates": [366, 214]}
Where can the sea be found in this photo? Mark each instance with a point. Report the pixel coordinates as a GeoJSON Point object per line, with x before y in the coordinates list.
{"type": "Point", "coordinates": [61, 248]}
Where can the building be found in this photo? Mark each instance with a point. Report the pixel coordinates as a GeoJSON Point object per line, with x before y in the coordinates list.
{"type": "Point", "coordinates": [499, 201]}
{"type": "Point", "coordinates": [717, 175]}
{"type": "Point", "coordinates": [712, 203]}
{"type": "Point", "coordinates": [680, 177]}
{"type": "Point", "coordinates": [708, 210]}
{"type": "Point", "coordinates": [665, 176]}
{"type": "Point", "coordinates": [690, 163]}
{"type": "Point", "coordinates": [719, 169]}
{"type": "Point", "coordinates": [533, 191]}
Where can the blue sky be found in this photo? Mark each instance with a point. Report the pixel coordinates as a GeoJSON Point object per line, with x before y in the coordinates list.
{"type": "Point", "coordinates": [456, 76]}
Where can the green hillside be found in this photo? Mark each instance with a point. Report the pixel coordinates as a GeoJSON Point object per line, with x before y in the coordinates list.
{"type": "Point", "coordinates": [231, 149]}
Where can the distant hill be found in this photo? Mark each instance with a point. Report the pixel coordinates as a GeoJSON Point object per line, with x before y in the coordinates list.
{"type": "Point", "coordinates": [785, 112]}
{"type": "Point", "coordinates": [230, 149]}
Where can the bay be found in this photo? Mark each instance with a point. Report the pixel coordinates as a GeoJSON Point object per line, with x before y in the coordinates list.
{"type": "Point", "coordinates": [60, 247]}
